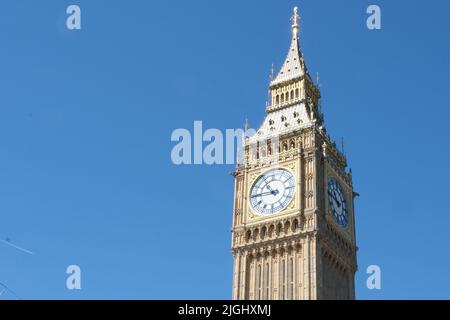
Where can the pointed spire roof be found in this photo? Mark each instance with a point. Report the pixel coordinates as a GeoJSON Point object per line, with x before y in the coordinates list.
{"type": "Point", "coordinates": [294, 64]}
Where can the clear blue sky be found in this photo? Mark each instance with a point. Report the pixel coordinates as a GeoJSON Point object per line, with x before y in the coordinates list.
{"type": "Point", "coordinates": [86, 117]}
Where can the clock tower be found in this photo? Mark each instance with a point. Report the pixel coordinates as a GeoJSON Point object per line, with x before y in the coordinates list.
{"type": "Point", "coordinates": [293, 234]}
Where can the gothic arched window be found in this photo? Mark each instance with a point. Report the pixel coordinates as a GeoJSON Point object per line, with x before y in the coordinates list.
{"type": "Point", "coordinates": [263, 233]}
{"type": "Point", "coordinates": [279, 228]}
{"type": "Point", "coordinates": [287, 227]}
{"type": "Point", "coordinates": [295, 225]}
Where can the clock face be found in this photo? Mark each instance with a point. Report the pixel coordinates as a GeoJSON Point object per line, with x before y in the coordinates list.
{"type": "Point", "coordinates": [337, 202]}
{"type": "Point", "coordinates": [272, 192]}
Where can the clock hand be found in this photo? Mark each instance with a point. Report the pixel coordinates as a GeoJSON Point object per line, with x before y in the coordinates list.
{"type": "Point", "coordinates": [338, 203]}
{"type": "Point", "coordinates": [262, 194]}
{"type": "Point", "coordinates": [274, 192]}
{"type": "Point", "coordinates": [333, 196]}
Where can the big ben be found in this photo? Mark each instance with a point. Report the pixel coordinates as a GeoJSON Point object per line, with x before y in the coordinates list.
{"type": "Point", "coordinates": [293, 232]}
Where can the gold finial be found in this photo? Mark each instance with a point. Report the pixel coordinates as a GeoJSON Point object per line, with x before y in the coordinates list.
{"type": "Point", "coordinates": [295, 18]}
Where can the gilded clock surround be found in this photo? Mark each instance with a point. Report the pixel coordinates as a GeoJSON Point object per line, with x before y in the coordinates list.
{"type": "Point", "coordinates": [254, 177]}
{"type": "Point", "coordinates": [300, 252]}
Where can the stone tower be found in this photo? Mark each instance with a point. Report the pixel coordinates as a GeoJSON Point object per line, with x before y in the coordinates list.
{"type": "Point", "coordinates": [293, 234]}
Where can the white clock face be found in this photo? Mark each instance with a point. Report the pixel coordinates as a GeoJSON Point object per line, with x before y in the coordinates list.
{"type": "Point", "coordinates": [337, 202]}
{"type": "Point", "coordinates": [272, 192]}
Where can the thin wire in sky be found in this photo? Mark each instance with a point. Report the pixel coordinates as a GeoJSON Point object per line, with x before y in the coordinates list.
{"type": "Point", "coordinates": [7, 289]}
{"type": "Point", "coordinates": [9, 243]}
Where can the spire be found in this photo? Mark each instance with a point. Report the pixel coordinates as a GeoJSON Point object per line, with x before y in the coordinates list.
{"type": "Point", "coordinates": [294, 65]}
{"type": "Point", "coordinates": [294, 98]}
{"type": "Point", "coordinates": [295, 25]}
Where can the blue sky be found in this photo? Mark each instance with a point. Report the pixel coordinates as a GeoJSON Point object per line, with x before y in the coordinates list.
{"type": "Point", "coordinates": [86, 118]}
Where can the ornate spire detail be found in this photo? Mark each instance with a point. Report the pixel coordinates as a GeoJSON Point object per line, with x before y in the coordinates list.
{"type": "Point", "coordinates": [295, 26]}
{"type": "Point", "coordinates": [294, 99]}
{"type": "Point", "coordinates": [294, 65]}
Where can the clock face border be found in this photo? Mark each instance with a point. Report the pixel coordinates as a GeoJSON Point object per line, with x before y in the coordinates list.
{"type": "Point", "coordinates": [289, 202]}
{"type": "Point", "coordinates": [344, 199]}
